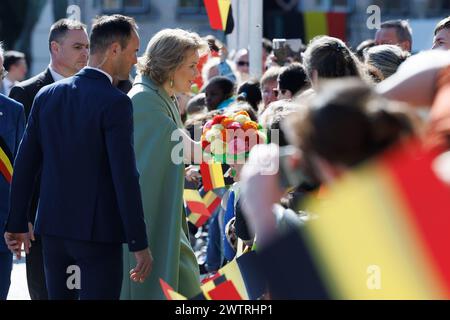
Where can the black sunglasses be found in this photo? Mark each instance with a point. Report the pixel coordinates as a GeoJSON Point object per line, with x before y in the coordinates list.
{"type": "Point", "coordinates": [243, 63]}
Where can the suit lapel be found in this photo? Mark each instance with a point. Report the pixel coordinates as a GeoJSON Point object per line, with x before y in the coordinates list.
{"type": "Point", "coordinates": [45, 78]}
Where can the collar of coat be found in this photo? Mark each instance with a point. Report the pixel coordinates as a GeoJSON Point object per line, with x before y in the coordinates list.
{"type": "Point", "coordinates": [171, 104]}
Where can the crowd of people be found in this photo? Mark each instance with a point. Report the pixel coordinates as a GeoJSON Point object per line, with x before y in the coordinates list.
{"type": "Point", "coordinates": [87, 153]}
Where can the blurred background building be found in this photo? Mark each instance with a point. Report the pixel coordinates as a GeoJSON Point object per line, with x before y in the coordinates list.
{"type": "Point", "coordinates": [24, 24]}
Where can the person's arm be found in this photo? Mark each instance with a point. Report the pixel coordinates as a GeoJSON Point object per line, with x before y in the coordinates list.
{"type": "Point", "coordinates": [261, 189]}
{"type": "Point", "coordinates": [282, 256]}
{"type": "Point", "coordinates": [26, 167]}
{"type": "Point", "coordinates": [118, 130]}
{"type": "Point", "coordinates": [415, 80]}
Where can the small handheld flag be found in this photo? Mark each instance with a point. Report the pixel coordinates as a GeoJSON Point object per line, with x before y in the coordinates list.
{"type": "Point", "coordinates": [212, 176]}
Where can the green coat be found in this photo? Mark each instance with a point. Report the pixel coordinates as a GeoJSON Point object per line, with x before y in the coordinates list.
{"type": "Point", "coordinates": [156, 116]}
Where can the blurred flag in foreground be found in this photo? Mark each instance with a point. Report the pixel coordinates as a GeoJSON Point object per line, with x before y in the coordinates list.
{"type": "Point", "coordinates": [383, 230]}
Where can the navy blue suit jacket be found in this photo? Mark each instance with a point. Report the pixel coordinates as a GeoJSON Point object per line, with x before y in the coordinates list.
{"type": "Point", "coordinates": [12, 124]}
{"type": "Point", "coordinates": [80, 132]}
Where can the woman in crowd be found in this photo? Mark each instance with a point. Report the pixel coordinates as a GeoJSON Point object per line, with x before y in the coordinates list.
{"type": "Point", "coordinates": [168, 67]}
{"type": "Point", "coordinates": [328, 58]}
{"type": "Point", "coordinates": [423, 81]}
{"type": "Point", "coordinates": [386, 58]}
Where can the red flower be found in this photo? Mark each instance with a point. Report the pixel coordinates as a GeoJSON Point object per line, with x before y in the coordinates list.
{"type": "Point", "coordinates": [204, 144]}
{"type": "Point", "coordinates": [218, 119]}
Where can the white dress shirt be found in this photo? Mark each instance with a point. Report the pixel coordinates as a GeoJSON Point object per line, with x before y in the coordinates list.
{"type": "Point", "coordinates": [55, 75]}
{"type": "Point", "coordinates": [8, 85]}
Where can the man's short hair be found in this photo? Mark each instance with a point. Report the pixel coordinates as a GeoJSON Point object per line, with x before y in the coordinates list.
{"type": "Point", "coordinates": [293, 78]}
{"type": "Point", "coordinates": [10, 58]}
{"type": "Point", "coordinates": [109, 29]}
{"type": "Point", "coordinates": [402, 28]}
{"type": "Point", "coordinates": [443, 24]}
{"type": "Point", "coordinates": [60, 28]}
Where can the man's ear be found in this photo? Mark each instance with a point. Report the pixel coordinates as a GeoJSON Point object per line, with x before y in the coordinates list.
{"type": "Point", "coordinates": [115, 49]}
{"type": "Point", "coordinates": [54, 47]}
{"type": "Point", "coordinates": [406, 45]}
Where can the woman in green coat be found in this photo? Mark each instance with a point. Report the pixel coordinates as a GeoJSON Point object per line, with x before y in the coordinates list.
{"type": "Point", "coordinates": [168, 67]}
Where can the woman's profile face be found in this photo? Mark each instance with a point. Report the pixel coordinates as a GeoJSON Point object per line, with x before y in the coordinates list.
{"type": "Point", "coordinates": [187, 72]}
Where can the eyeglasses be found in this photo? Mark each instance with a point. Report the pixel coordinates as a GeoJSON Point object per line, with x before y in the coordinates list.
{"type": "Point", "coordinates": [277, 92]}
{"type": "Point", "coordinates": [3, 73]}
{"type": "Point", "coordinates": [243, 64]}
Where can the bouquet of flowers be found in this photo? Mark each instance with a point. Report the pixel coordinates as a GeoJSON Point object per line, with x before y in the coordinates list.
{"type": "Point", "coordinates": [228, 138]}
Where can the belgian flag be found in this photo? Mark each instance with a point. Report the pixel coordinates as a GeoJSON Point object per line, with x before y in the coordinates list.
{"type": "Point", "coordinates": [212, 176]}
{"type": "Point", "coordinates": [383, 230]}
{"type": "Point", "coordinates": [6, 161]}
{"type": "Point", "coordinates": [237, 280]}
{"type": "Point", "coordinates": [198, 212]}
{"type": "Point", "coordinates": [202, 204]}
{"type": "Point", "coordinates": [332, 24]}
{"type": "Point", "coordinates": [220, 14]}
{"type": "Point", "coordinates": [169, 292]}
{"type": "Point", "coordinates": [305, 25]}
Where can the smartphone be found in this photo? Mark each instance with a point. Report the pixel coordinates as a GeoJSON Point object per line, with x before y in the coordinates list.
{"type": "Point", "coordinates": [279, 50]}
{"type": "Point", "coordinates": [290, 177]}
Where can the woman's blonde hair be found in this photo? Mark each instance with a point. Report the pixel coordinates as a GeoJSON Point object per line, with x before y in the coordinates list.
{"type": "Point", "coordinates": [166, 51]}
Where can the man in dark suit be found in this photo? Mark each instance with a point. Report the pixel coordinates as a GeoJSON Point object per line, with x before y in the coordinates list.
{"type": "Point", "coordinates": [80, 135]}
{"type": "Point", "coordinates": [12, 124]}
{"type": "Point", "coordinates": [69, 51]}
